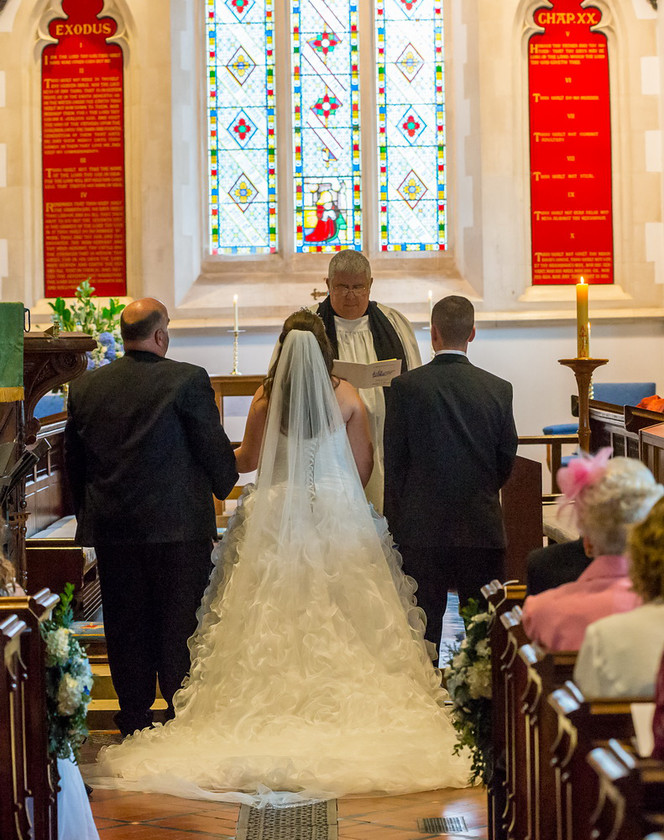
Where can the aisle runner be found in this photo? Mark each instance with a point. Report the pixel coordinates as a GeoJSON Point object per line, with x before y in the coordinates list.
{"type": "Point", "coordinates": [306, 822]}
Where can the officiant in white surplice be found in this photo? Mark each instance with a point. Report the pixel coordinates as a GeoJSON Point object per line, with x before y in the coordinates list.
{"type": "Point", "coordinates": [364, 331]}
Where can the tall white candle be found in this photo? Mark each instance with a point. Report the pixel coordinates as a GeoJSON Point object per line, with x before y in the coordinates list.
{"type": "Point", "coordinates": [582, 325]}
{"type": "Point", "coordinates": [236, 320]}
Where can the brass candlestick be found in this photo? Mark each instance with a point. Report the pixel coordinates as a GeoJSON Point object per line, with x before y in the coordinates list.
{"type": "Point", "coordinates": [583, 372]}
{"type": "Point", "coordinates": [236, 336]}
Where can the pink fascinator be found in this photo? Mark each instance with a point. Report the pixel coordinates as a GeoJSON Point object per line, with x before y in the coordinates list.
{"type": "Point", "coordinates": [581, 472]}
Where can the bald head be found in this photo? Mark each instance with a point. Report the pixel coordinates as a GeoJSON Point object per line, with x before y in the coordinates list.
{"type": "Point", "coordinates": [144, 326]}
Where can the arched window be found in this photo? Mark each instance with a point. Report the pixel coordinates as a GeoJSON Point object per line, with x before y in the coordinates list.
{"type": "Point", "coordinates": [386, 97]}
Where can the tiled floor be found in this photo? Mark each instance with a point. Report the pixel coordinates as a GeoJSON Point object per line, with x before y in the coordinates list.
{"type": "Point", "coordinates": [139, 816]}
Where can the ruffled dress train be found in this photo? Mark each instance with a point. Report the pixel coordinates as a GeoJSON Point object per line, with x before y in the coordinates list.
{"type": "Point", "coordinates": [310, 676]}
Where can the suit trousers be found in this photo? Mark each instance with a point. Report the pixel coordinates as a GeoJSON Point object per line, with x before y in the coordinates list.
{"type": "Point", "coordinates": [437, 570]}
{"type": "Point", "coordinates": [150, 594]}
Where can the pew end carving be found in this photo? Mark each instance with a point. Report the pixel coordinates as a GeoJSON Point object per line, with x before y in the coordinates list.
{"type": "Point", "coordinates": [24, 734]}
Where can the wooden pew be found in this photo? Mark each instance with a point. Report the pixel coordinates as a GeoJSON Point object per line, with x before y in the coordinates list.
{"type": "Point", "coordinates": [631, 793]}
{"type": "Point", "coordinates": [582, 726]}
{"type": "Point", "coordinates": [31, 761]}
{"type": "Point", "coordinates": [518, 804]}
{"type": "Point", "coordinates": [52, 557]}
{"type": "Point", "coordinates": [617, 426]}
{"type": "Point", "coordinates": [545, 672]}
{"type": "Point", "coordinates": [14, 818]}
{"type": "Point", "coordinates": [502, 599]}
{"type": "Point", "coordinates": [530, 674]}
{"type": "Point", "coordinates": [544, 729]}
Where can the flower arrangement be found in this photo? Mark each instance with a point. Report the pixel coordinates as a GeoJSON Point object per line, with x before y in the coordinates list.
{"type": "Point", "coordinates": [102, 323]}
{"type": "Point", "coordinates": [468, 678]}
{"type": "Point", "coordinates": [68, 681]}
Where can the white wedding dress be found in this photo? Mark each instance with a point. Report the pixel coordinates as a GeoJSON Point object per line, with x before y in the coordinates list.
{"type": "Point", "coordinates": [310, 677]}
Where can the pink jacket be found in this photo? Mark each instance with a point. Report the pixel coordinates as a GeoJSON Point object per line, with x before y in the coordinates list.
{"type": "Point", "coordinates": [557, 618]}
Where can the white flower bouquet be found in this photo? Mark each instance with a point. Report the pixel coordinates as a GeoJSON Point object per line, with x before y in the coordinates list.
{"type": "Point", "coordinates": [468, 679]}
{"type": "Point", "coordinates": [68, 681]}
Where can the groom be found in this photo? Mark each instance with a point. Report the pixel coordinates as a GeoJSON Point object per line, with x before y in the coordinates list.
{"type": "Point", "coordinates": [450, 442]}
{"type": "Point", "coordinates": [145, 452]}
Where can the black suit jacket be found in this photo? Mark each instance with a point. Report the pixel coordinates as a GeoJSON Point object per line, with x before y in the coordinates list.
{"type": "Point", "coordinates": [450, 443]}
{"type": "Point", "coordinates": [145, 451]}
{"type": "Point", "coordinates": [555, 564]}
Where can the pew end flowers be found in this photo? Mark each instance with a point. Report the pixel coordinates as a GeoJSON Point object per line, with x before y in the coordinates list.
{"type": "Point", "coordinates": [468, 680]}
{"type": "Point", "coordinates": [68, 681]}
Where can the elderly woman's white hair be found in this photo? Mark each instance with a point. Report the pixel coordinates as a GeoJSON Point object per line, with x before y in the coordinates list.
{"type": "Point", "coordinates": [619, 497]}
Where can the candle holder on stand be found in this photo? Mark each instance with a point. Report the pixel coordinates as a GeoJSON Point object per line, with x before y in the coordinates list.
{"type": "Point", "coordinates": [236, 336]}
{"type": "Point", "coordinates": [583, 372]}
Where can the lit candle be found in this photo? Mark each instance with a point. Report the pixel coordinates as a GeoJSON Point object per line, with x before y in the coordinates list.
{"type": "Point", "coordinates": [236, 320]}
{"type": "Point", "coordinates": [582, 326]}
{"type": "Point", "coordinates": [430, 299]}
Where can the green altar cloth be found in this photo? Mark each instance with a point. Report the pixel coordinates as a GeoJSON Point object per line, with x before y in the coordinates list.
{"type": "Point", "coordinates": [11, 352]}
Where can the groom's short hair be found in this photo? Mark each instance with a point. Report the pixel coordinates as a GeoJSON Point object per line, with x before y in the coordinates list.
{"type": "Point", "coordinates": [454, 318]}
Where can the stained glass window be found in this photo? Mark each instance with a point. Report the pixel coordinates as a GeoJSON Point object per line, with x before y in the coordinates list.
{"type": "Point", "coordinates": [320, 40]}
{"type": "Point", "coordinates": [411, 125]}
{"type": "Point", "coordinates": [326, 125]}
{"type": "Point", "coordinates": [241, 127]}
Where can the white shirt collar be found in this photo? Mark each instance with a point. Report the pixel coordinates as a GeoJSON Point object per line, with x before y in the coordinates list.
{"type": "Point", "coordinates": [450, 353]}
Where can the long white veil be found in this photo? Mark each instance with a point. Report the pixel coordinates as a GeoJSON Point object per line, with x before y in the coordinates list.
{"type": "Point", "coordinates": [305, 449]}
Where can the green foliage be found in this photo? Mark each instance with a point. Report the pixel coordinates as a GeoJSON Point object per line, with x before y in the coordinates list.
{"type": "Point", "coordinates": [63, 614]}
{"type": "Point", "coordinates": [468, 680]}
{"type": "Point", "coordinates": [87, 315]}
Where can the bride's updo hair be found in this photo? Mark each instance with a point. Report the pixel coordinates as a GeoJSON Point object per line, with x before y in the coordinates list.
{"type": "Point", "coordinates": [307, 321]}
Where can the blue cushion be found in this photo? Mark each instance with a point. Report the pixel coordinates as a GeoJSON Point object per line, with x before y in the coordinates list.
{"type": "Point", "coordinates": [623, 393]}
{"type": "Point", "coordinates": [561, 429]}
{"type": "Point", "coordinates": [49, 404]}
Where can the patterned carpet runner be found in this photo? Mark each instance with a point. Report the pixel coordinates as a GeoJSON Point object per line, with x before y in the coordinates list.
{"type": "Point", "coordinates": [317, 821]}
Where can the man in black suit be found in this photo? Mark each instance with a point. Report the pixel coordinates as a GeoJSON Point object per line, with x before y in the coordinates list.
{"type": "Point", "coordinates": [450, 442]}
{"type": "Point", "coordinates": [555, 564]}
{"type": "Point", "coordinates": [145, 452]}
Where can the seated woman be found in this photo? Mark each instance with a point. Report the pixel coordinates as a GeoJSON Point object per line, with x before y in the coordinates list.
{"type": "Point", "coordinates": [620, 654]}
{"type": "Point", "coordinates": [608, 496]}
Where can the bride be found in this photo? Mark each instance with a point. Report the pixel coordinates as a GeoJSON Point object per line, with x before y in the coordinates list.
{"type": "Point", "coordinates": [309, 675]}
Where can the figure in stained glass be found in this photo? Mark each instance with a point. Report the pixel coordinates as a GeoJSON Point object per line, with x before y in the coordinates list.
{"type": "Point", "coordinates": [326, 213]}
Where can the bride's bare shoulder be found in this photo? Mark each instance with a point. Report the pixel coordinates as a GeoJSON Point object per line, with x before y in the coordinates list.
{"type": "Point", "coordinates": [259, 399]}
{"type": "Point", "coordinates": [347, 396]}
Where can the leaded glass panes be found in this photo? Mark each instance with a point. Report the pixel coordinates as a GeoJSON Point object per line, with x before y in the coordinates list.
{"type": "Point", "coordinates": [326, 125]}
{"type": "Point", "coordinates": [411, 125]}
{"type": "Point", "coordinates": [241, 126]}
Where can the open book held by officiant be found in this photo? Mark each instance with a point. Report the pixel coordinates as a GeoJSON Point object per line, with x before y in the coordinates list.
{"type": "Point", "coordinates": [371, 375]}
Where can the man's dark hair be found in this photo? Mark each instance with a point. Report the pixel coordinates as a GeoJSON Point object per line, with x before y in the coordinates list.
{"type": "Point", "coordinates": [453, 317]}
{"type": "Point", "coordinates": [140, 330]}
